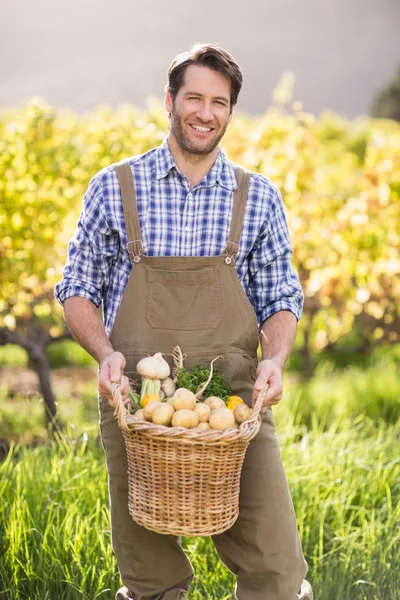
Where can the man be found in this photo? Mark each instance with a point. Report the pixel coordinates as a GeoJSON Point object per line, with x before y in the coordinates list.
{"type": "Point", "coordinates": [196, 253]}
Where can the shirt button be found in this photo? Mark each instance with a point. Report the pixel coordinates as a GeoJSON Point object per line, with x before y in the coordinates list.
{"type": "Point", "coordinates": [187, 228]}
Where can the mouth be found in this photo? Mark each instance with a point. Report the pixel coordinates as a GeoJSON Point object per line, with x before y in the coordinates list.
{"type": "Point", "coordinates": [200, 128]}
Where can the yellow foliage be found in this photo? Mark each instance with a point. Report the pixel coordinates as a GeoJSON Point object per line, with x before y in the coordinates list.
{"type": "Point", "coordinates": [340, 181]}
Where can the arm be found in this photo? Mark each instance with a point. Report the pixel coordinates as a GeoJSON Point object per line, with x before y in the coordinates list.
{"type": "Point", "coordinates": [276, 296]}
{"type": "Point", "coordinates": [278, 334]}
{"type": "Point", "coordinates": [87, 327]}
{"type": "Point", "coordinates": [86, 276]}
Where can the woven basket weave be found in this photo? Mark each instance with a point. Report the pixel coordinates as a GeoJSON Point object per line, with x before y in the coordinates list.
{"type": "Point", "coordinates": [184, 481]}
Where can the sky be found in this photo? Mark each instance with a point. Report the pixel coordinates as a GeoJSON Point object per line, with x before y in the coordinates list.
{"type": "Point", "coordinates": [80, 54]}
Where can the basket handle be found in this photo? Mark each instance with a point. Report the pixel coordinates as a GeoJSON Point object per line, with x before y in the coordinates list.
{"type": "Point", "coordinates": [259, 402]}
{"type": "Point", "coordinates": [252, 425]}
{"type": "Point", "coordinates": [120, 409]}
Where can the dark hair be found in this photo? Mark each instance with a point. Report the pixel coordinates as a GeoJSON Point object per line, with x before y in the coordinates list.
{"type": "Point", "coordinates": [207, 55]}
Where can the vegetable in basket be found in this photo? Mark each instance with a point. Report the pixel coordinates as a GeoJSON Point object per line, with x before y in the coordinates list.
{"type": "Point", "coordinates": [152, 370]}
{"type": "Point", "coordinates": [189, 407]}
{"type": "Point", "coordinates": [196, 377]}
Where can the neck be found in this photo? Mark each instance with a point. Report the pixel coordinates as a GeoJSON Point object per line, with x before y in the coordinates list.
{"type": "Point", "coordinates": [193, 166]}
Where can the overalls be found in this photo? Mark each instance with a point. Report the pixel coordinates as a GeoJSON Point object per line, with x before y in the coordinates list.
{"type": "Point", "coordinates": [199, 304]}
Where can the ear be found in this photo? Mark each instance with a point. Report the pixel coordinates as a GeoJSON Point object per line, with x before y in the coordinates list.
{"type": "Point", "coordinates": [168, 101]}
{"type": "Point", "coordinates": [230, 116]}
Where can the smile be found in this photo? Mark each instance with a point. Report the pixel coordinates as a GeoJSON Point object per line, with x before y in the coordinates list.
{"type": "Point", "coordinates": [200, 128]}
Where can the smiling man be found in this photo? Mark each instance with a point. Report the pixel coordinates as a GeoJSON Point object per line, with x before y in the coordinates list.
{"type": "Point", "coordinates": [180, 216]}
{"type": "Point", "coordinates": [200, 112]}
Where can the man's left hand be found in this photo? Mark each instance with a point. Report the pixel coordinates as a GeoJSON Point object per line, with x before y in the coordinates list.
{"type": "Point", "coordinates": [271, 373]}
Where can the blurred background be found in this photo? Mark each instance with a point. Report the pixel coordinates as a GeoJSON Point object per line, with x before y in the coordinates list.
{"type": "Point", "coordinates": [82, 53]}
{"type": "Point", "coordinates": [81, 87]}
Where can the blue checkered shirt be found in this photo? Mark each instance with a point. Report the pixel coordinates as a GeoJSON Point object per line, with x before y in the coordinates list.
{"type": "Point", "coordinates": [178, 221]}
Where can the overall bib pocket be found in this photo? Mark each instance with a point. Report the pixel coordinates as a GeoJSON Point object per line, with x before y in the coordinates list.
{"type": "Point", "coordinates": [183, 300]}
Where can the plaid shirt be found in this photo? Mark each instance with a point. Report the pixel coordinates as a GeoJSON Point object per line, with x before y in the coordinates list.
{"type": "Point", "coordinates": [178, 221]}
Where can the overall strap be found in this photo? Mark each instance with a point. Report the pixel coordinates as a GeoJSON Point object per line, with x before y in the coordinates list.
{"type": "Point", "coordinates": [132, 224]}
{"type": "Point", "coordinates": [238, 210]}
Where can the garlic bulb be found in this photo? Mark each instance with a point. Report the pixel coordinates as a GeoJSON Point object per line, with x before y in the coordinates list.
{"type": "Point", "coordinates": [153, 367]}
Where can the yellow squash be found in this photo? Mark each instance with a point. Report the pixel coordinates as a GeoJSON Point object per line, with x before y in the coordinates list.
{"type": "Point", "coordinates": [233, 401]}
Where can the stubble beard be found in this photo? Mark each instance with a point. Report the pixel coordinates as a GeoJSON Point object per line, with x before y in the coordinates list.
{"type": "Point", "coordinates": [194, 153]}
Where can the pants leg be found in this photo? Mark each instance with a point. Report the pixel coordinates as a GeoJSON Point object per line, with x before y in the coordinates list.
{"type": "Point", "coordinates": [152, 566]}
{"type": "Point", "coordinates": [263, 547]}
{"type": "Point", "coordinates": [177, 591]}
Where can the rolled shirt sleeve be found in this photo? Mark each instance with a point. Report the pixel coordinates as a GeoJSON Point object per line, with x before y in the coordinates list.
{"type": "Point", "coordinates": [91, 251]}
{"type": "Point", "coordinates": [274, 284]}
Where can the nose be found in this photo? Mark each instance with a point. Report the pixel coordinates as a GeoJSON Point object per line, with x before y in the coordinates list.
{"type": "Point", "coordinates": [205, 112]}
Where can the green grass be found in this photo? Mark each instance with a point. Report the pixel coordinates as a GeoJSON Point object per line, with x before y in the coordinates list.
{"type": "Point", "coordinates": [61, 354]}
{"type": "Point", "coordinates": [336, 395]}
{"type": "Point", "coordinates": [22, 417]}
{"type": "Point", "coordinates": [339, 434]}
{"type": "Point", "coordinates": [55, 537]}
{"type": "Point", "coordinates": [13, 356]}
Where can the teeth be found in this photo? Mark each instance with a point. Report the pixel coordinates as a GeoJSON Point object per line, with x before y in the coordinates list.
{"type": "Point", "coordinates": [199, 128]}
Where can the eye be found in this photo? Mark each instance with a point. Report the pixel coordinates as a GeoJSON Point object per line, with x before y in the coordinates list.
{"type": "Point", "coordinates": [220, 102]}
{"type": "Point", "coordinates": [194, 98]}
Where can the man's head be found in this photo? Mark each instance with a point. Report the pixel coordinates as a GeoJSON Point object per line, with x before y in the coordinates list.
{"type": "Point", "coordinates": [203, 87]}
{"type": "Point", "coordinates": [211, 56]}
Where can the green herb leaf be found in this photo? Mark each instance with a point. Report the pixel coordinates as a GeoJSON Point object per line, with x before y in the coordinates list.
{"type": "Point", "coordinates": [193, 379]}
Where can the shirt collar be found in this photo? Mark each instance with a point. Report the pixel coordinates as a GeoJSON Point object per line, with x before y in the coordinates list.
{"type": "Point", "coordinates": [222, 170]}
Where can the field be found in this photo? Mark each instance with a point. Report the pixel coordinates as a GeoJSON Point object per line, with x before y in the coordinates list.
{"type": "Point", "coordinates": [339, 435]}
{"type": "Point", "coordinates": [340, 418]}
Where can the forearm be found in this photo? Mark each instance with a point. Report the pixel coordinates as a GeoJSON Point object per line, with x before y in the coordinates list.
{"type": "Point", "coordinates": [278, 334]}
{"type": "Point", "coordinates": [87, 327]}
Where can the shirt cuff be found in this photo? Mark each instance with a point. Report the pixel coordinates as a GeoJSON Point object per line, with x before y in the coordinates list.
{"type": "Point", "coordinates": [285, 304]}
{"type": "Point", "coordinates": [63, 293]}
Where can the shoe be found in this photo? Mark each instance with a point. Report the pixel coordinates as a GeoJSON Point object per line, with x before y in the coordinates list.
{"type": "Point", "coordinates": [306, 592]}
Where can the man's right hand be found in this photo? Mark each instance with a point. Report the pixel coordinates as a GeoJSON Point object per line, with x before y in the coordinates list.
{"type": "Point", "coordinates": [112, 371]}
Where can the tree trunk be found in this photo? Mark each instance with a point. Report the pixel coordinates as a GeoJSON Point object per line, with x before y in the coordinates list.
{"type": "Point", "coordinates": [40, 364]}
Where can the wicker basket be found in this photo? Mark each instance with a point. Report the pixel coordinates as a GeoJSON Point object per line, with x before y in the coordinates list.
{"type": "Point", "coordinates": [184, 481]}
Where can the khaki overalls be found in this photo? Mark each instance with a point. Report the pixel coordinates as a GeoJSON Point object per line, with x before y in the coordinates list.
{"type": "Point", "coordinates": [199, 304]}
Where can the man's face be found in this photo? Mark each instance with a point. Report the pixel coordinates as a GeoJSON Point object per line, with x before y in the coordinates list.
{"type": "Point", "coordinates": [200, 112]}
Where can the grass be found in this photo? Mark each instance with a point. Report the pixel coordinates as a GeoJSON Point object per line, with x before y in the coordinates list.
{"type": "Point", "coordinates": [339, 434]}
{"type": "Point", "coordinates": [334, 396]}
{"type": "Point", "coordinates": [55, 537]}
{"type": "Point", "coordinates": [346, 493]}
{"type": "Point", "coordinates": [22, 416]}
{"type": "Point", "coordinates": [66, 352]}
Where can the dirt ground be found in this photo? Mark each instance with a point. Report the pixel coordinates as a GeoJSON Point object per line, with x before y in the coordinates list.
{"type": "Point", "coordinates": [20, 381]}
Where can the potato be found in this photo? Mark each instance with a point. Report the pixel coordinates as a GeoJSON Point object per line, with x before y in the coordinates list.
{"type": "Point", "coordinates": [149, 408]}
{"type": "Point", "coordinates": [214, 402]}
{"type": "Point", "coordinates": [184, 417]}
{"type": "Point", "coordinates": [183, 398]}
{"type": "Point", "coordinates": [139, 416]}
{"type": "Point", "coordinates": [221, 419]}
{"type": "Point", "coordinates": [241, 413]}
{"type": "Point", "coordinates": [169, 401]}
{"type": "Point", "coordinates": [202, 411]}
{"type": "Point", "coordinates": [203, 426]}
{"type": "Point", "coordinates": [162, 415]}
